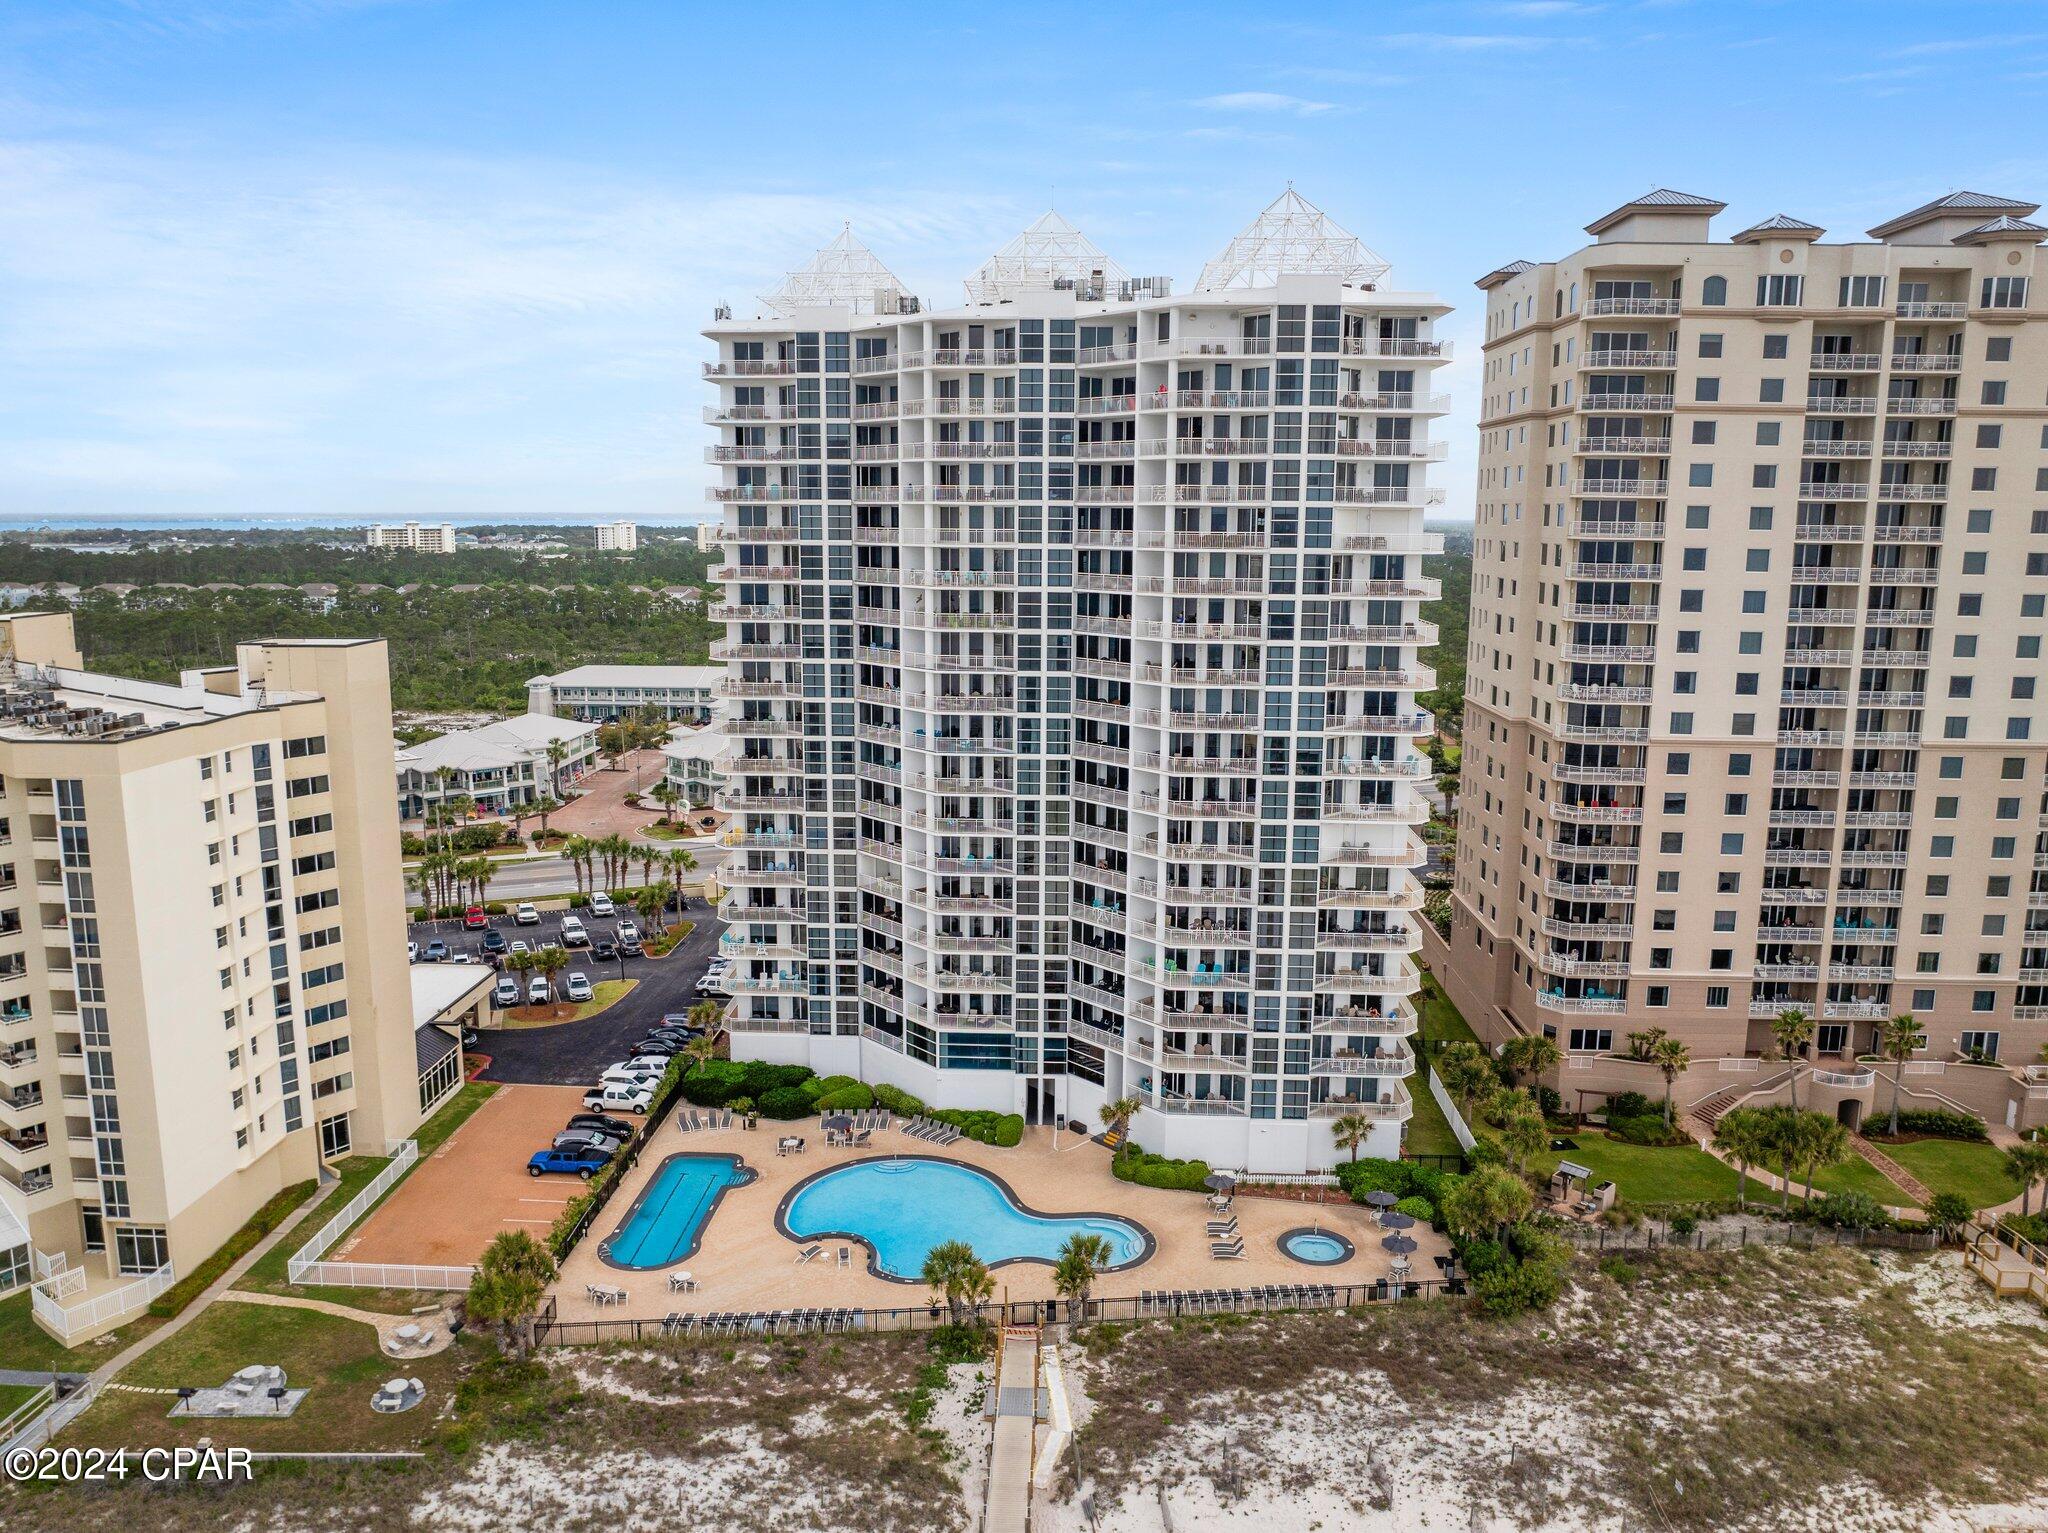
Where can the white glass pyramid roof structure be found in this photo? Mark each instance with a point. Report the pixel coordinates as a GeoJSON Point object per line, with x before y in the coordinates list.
{"type": "Point", "coordinates": [1291, 237]}
{"type": "Point", "coordinates": [845, 274]}
{"type": "Point", "coordinates": [1050, 252]}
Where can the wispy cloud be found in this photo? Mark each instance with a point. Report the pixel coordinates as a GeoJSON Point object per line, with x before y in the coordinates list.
{"type": "Point", "coordinates": [1266, 101]}
{"type": "Point", "coordinates": [1940, 45]}
{"type": "Point", "coordinates": [1539, 10]}
{"type": "Point", "coordinates": [1465, 42]}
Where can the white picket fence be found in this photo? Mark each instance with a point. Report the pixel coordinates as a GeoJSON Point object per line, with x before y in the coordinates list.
{"type": "Point", "coordinates": [308, 1266]}
{"type": "Point", "coordinates": [1451, 1113]}
{"type": "Point", "coordinates": [67, 1321]}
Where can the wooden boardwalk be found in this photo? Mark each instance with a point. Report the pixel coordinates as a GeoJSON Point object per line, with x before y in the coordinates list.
{"type": "Point", "coordinates": [1008, 1508]}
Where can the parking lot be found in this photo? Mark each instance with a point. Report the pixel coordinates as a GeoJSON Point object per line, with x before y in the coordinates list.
{"type": "Point", "coordinates": [575, 1053]}
{"type": "Point", "coordinates": [473, 1186]}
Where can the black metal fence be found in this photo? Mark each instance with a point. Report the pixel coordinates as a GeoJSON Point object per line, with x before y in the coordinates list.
{"type": "Point", "coordinates": [1801, 1236]}
{"type": "Point", "coordinates": [551, 1331]}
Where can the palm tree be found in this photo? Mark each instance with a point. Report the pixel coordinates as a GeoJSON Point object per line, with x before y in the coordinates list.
{"type": "Point", "coordinates": [577, 851]}
{"type": "Point", "coordinates": [1821, 1142]}
{"type": "Point", "coordinates": [1779, 1128]}
{"type": "Point", "coordinates": [1530, 1054]}
{"type": "Point", "coordinates": [1794, 1031]}
{"type": "Point", "coordinates": [1491, 1198]}
{"type": "Point", "coordinates": [558, 752]}
{"type": "Point", "coordinates": [1350, 1132]}
{"type": "Point", "coordinates": [443, 778]}
{"type": "Point", "coordinates": [545, 806]}
{"type": "Point", "coordinates": [679, 860]}
{"type": "Point", "coordinates": [1744, 1137]}
{"type": "Point", "coordinates": [668, 795]}
{"type": "Point", "coordinates": [649, 859]}
{"type": "Point", "coordinates": [1518, 1121]}
{"type": "Point", "coordinates": [1468, 1075]}
{"type": "Point", "coordinates": [1642, 1044]}
{"type": "Point", "coordinates": [551, 960]}
{"type": "Point", "coordinates": [1672, 1059]}
{"type": "Point", "coordinates": [707, 1015]}
{"type": "Point", "coordinates": [1447, 785]}
{"type": "Point", "coordinates": [650, 904]}
{"type": "Point", "coordinates": [700, 1051]}
{"type": "Point", "coordinates": [956, 1276]}
{"type": "Point", "coordinates": [2026, 1163]}
{"type": "Point", "coordinates": [1074, 1273]}
{"type": "Point", "coordinates": [1897, 1040]}
{"type": "Point", "coordinates": [508, 1285]}
{"type": "Point", "coordinates": [1117, 1115]}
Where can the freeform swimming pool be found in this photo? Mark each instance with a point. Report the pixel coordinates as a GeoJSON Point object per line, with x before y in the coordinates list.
{"type": "Point", "coordinates": [666, 1222]}
{"type": "Point", "coordinates": [901, 1206]}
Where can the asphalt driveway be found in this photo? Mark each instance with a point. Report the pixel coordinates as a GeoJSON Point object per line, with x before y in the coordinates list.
{"type": "Point", "coordinates": [576, 1053]}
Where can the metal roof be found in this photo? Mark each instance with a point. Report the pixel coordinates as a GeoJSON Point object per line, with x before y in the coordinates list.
{"type": "Point", "coordinates": [1291, 237]}
{"type": "Point", "coordinates": [1050, 253]}
{"type": "Point", "coordinates": [1662, 199]}
{"type": "Point", "coordinates": [1954, 202]}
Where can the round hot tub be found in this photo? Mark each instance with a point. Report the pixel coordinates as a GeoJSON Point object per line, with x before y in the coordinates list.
{"type": "Point", "coordinates": [1316, 1248]}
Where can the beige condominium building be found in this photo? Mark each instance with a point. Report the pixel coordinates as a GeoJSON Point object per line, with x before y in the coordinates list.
{"type": "Point", "coordinates": [419, 537]}
{"type": "Point", "coordinates": [1754, 715]}
{"type": "Point", "coordinates": [201, 922]}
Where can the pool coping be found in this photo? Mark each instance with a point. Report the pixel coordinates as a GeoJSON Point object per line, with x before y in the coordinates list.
{"type": "Point", "coordinates": [1280, 1244]}
{"type": "Point", "coordinates": [746, 1176]}
{"type": "Point", "coordinates": [1151, 1242]}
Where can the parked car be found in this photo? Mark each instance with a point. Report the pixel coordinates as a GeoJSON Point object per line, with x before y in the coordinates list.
{"type": "Point", "coordinates": [506, 993]}
{"type": "Point", "coordinates": [632, 1073]}
{"type": "Point", "coordinates": [573, 933]}
{"type": "Point", "coordinates": [435, 952]}
{"type": "Point", "coordinates": [461, 955]}
{"type": "Point", "coordinates": [604, 950]}
{"type": "Point", "coordinates": [538, 991]}
{"type": "Point", "coordinates": [628, 932]}
{"type": "Point", "coordinates": [471, 1037]}
{"type": "Point", "coordinates": [474, 919]}
{"type": "Point", "coordinates": [577, 986]}
{"type": "Point", "coordinates": [620, 1096]}
{"type": "Point", "coordinates": [494, 941]}
{"type": "Point", "coordinates": [584, 1163]}
{"type": "Point", "coordinates": [588, 1139]}
{"type": "Point", "coordinates": [412, 952]}
{"type": "Point", "coordinates": [524, 914]}
{"type": "Point", "coordinates": [617, 1128]}
{"type": "Point", "coordinates": [630, 946]}
{"type": "Point", "coordinates": [714, 984]}
{"type": "Point", "coordinates": [601, 904]}
{"type": "Point", "coordinates": [520, 946]}
{"type": "Point", "coordinates": [648, 1048]}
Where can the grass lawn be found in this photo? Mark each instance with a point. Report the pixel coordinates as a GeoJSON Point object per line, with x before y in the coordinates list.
{"type": "Point", "coordinates": [1956, 1165]}
{"type": "Point", "coordinates": [14, 1396]}
{"type": "Point", "coordinates": [336, 1360]}
{"type": "Point", "coordinates": [24, 1344]}
{"type": "Point", "coordinates": [1653, 1176]}
{"type": "Point", "coordinates": [1858, 1175]}
{"type": "Point", "coordinates": [1429, 1131]}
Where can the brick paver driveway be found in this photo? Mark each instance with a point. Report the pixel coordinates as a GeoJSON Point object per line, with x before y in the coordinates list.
{"type": "Point", "coordinates": [602, 810]}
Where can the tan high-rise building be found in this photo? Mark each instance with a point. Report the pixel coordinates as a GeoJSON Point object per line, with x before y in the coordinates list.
{"type": "Point", "coordinates": [203, 991]}
{"type": "Point", "coordinates": [1754, 711]}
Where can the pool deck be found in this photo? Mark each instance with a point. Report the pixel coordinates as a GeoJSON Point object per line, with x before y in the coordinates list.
{"type": "Point", "coordinates": [745, 1263]}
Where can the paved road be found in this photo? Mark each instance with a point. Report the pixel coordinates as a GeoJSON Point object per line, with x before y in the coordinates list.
{"type": "Point", "coordinates": [575, 1053]}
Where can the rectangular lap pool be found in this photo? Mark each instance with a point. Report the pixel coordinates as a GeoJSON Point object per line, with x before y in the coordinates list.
{"type": "Point", "coordinates": [666, 1223]}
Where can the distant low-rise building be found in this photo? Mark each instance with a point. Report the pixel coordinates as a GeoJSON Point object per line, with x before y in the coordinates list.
{"type": "Point", "coordinates": [497, 767]}
{"type": "Point", "coordinates": [699, 757]}
{"type": "Point", "coordinates": [417, 537]}
{"type": "Point", "coordinates": [617, 537]}
{"type": "Point", "coordinates": [600, 692]}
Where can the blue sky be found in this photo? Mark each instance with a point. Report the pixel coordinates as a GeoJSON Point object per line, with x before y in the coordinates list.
{"type": "Point", "coordinates": [382, 257]}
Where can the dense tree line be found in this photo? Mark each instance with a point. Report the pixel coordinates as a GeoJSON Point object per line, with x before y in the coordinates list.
{"type": "Point", "coordinates": [449, 649]}
{"type": "Point", "coordinates": [1449, 614]}
{"type": "Point", "coordinates": [302, 558]}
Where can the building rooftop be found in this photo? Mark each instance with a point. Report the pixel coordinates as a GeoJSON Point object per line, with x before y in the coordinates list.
{"type": "Point", "coordinates": [844, 275]}
{"type": "Point", "coordinates": [1051, 253]}
{"type": "Point", "coordinates": [636, 676]}
{"type": "Point", "coordinates": [1780, 226]}
{"type": "Point", "coordinates": [2004, 226]}
{"type": "Point", "coordinates": [1502, 274]}
{"type": "Point", "coordinates": [507, 743]}
{"type": "Point", "coordinates": [1291, 237]}
{"type": "Point", "coordinates": [1953, 205]}
{"type": "Point", "coordinates": [1662, 200]}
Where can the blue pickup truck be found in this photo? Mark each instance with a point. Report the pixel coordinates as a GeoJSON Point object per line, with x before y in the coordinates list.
{"type": "Point", "coordinates": [584, 1163]}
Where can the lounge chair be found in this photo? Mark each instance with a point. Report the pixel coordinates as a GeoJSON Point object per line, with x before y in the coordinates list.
{"type": "Point", "coordinates": [860, 1140]}
{"type": "Point", "coordinates": [807, 1253]}
{"type": "Point", "coordinates": [845, 1257]}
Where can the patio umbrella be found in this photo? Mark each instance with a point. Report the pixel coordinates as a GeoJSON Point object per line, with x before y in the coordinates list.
{"type": "Point", "coordinates": [1379, 1198]}
{"type": "Point", "coordinates": [1400, 1245]}
{"type": "Point", "coordinates": [1219, 1181]}
{"type": "Point", "coordinates": [1397, 1221]}
{"type": "Point", "coordinates": [839, 1123]}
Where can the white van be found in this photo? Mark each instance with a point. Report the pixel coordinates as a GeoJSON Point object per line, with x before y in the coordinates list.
{"type": "Point", "coordinates": [573, 934]}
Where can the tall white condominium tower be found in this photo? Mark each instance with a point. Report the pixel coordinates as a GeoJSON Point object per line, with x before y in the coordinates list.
{"type": "Point", "coordinates": [1073, 646]}
{"type": "Point", "coordinates": [617, 537]}
{"type": "Point", "coordinates": [1754, 713]}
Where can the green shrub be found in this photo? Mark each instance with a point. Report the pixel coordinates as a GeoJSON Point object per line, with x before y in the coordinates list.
{"type": "Point", "coordinates": [1518, 1289]}
{"type": "Point", "coordinates": [1630, 1104]}
{"type": "Point", "coordinates": [854, 1098]}
{"type": "Point", "coordinates": [901, 1103]}
{"type": "Point", "coordinates": [579, 902]}
{"type": "Point", "coordinates": [1482, 1257]}
{"type": "Point", "coordinates": [2033, 1227]}
{"type": "Point", "coordinates": [1148, 1170]}
{"type": "Point", "coordinates": [1683, 1225]}
{"type": "Point", "coordinates": [1849, 1211]}
{"type": "Point", "coordinates": [494, 907]}
{"type": "Point", "coordinates": [1359, 1177]}
{"type": "Point", "coordinates": [1949, 1212]}
{"type": "Point", "coordinates": [785, 1102]}
{"type": "Point", "coordinates": [1934, 1122]}
{"type": "Point", "coordinates": [1550, 1101]}
{"type": "Point", "coordinates": [418, 913]}
{"type": "Point", "coordinates": [1417, 1208]}
{"type": "Point", "coordinates": [1620, 1269]}
{"type": "Point", "coordinates": [1645, 1129]}
{"type": "Point", "coordinates": [820, 1085]}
